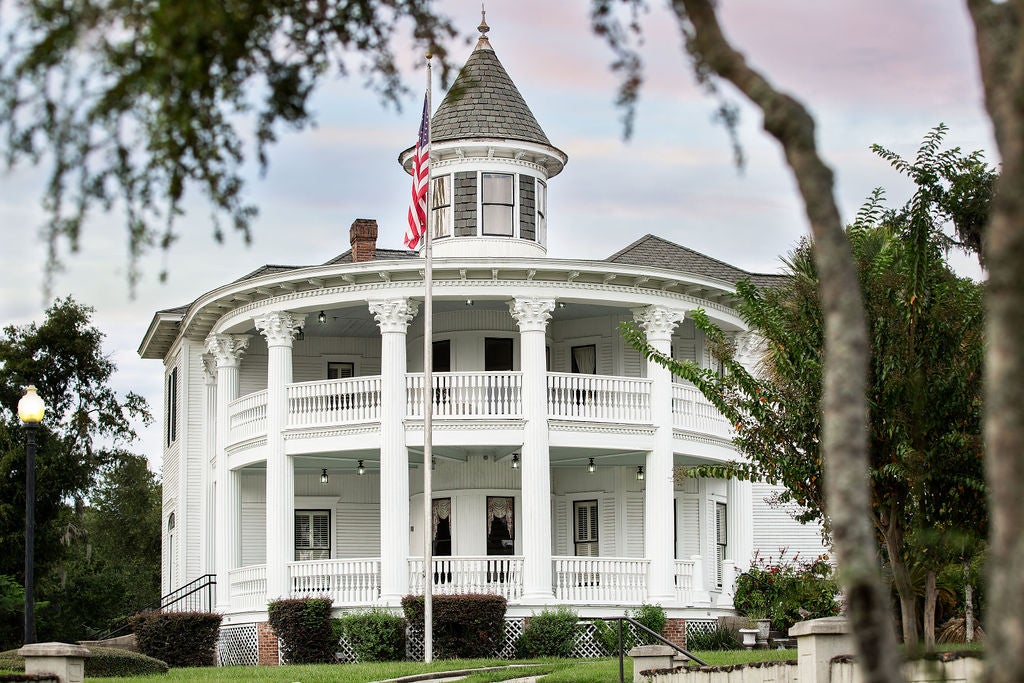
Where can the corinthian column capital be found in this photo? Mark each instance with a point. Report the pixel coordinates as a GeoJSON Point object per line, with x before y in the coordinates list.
{"type": "Point", "coordinates": [280, 327]}
{"type": "Point", "coordinates": [658, 322]}
{"type": "Point", "coordinates": [226, 349]}
{"type": "Point", "coordinates": [531, 315]}
{"type": "Point", "coordinates": [393, 315]}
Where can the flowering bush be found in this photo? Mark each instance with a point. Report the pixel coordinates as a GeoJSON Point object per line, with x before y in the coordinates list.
{"type": "Point", "coordinates": [787, 591]}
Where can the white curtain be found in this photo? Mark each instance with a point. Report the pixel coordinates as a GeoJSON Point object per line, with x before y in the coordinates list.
{"type": "Point", "coordinates": [586, 359]}
{"type": "Point", "coordinates": [500, 508]}
{"type": "Point", "coordinates": [442, 509]}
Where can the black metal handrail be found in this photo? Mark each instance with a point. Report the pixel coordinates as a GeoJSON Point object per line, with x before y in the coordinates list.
{"type": "Point", "coordinates": [202, 587]}
{"type": "Point", "coordinates": [637, 624]}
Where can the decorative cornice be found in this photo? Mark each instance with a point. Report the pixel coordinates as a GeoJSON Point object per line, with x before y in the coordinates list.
{"type": "Point", "coordinates": [246, 445]}
{"type": "Point", "coordinates": [227, 349]}
{"type": "Point", "coordinates": [601, 428]}
{"type": "Point", "coordinates": [658, 322]}
{"type": "Point", "coordinates": [393, 315]}
{"type": "Point", "coordinates": [531, 315]}
{"type": "Point", "coordinates": [280, 327]}
{"type": "Point", "coordinates": [331, 432]}
{"type": "Point", "coordinates": [702, 438]}
{"type": "Point", "coordinates": [415, 424]}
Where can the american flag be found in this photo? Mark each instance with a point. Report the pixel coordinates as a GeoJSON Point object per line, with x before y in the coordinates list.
{"type": "Point", "coordinates": [420, 179]}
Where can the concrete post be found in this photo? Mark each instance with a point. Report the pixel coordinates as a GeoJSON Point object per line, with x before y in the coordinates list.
{"type": "Point", "coordinates": [818, 641]}
{"type": "Point", "coordinates": [66, 662]}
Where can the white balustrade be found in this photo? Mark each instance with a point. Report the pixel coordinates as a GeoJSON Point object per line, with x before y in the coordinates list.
{"type": "Point", "coordinates": [247, 417]}
{"type": "Point", "coordinates": [468, 394]}
{"type": "Point", "coordinates": [248, 587]}
{"type": "Point", "coordinates": [334, 401]}
{"type": "Point", "coordinates": [599, 397]}
{"type": "Point", "coordinates": [345, 581]}
{"type": "Point", "coordinates": [492, 574]}
{"type": "Point", "coordinates": [613, 580]}
{"type": "Point", "coordinates": [684, 582]}
{"type": "Point", "coordinates": [690, 410]}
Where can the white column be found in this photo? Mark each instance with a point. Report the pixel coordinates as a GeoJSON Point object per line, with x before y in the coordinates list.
{"type": "Point", "coordinates": [739, 523]}
{"type": "Point", "coordinates": [657, 322]}
{"type": "Point", "coordinates": [393, 316]}
{"type": "Point", "coordinates": [532, 317]}
{"type": "Point", "coordinates": [227, 350]}
{"type": "Point", "coordinates": [207, 463]}
{"type": "Point", "coordinates": [279, 328]}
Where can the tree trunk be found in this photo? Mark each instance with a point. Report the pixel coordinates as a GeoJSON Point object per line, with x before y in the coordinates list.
{"type": "Point", "coordinates": [844, 409]}
{"type": "Point", "coordinates": [968, 604]}
{"type": "Point", "coordinates": [1001, 58]}
{"type": "Point", "coordinates": [931, 595]}
{"type": "Point", "coordinates": [892, 536]}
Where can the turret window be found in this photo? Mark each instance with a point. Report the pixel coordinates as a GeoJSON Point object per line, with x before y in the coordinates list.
{"type": "Point", "coordinates": [542, 213]}
{"type": "Point", "coordinates": [441, 206]}
{"type": "Point", "coordinates": [496, 204]}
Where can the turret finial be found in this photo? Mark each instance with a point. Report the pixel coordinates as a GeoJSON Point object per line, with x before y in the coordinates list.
{"type": "Point", "coordinates": [483, 27]}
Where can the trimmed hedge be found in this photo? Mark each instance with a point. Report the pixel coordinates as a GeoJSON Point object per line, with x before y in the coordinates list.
{"type": "Point", "coordinates": [104, 662]}
{"type": "Point", "coordinates": [468, 626]}
{"type": "Point", "coordinates": [552, 633]}
{"type": "Point", "coordinates": [376, 635]}
{"type": "Point", "coordinates": [304, 627]}
{"type": "Point", "coordinates": [178, 638]}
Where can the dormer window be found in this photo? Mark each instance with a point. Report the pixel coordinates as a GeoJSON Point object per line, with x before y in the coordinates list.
{"type": "Point", "coordinates": [496, 203]}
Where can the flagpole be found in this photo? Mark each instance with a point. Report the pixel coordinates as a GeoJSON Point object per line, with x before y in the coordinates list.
{"type": "Point", "coordinates": [428, 406]}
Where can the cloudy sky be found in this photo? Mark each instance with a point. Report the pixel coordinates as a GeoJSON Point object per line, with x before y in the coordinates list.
{"type": "Point", "coordinates": [871, 71]}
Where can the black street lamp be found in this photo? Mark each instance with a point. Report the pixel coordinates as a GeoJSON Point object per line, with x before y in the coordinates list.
{"type": "Point", "coordinates": [30, 411]}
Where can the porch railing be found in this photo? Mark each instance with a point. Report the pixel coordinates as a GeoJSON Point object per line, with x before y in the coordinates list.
{"type": "Point", "coordinates": [599, 397]}
{"type": "Point", "coordinates": [496, 575]}
{"type": "Point", "coordinates": [333, 401]}
{"type": "Point", "coordinates": [601, 579]}
{"type": "Point", "coordinates": [248, 587]}
{"type": "Point", "coordinates": [468, 394]}
{"type": "Point", "coordinates": [346, 581]}
{"type": "Point", "coordinates": [684, 581]}
{"type": "Point", "coordinates": [690, 410]}
{"type": "Point", "coordinates": [247, 417]}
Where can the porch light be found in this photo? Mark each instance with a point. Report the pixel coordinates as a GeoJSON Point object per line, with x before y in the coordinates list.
{"type": "Point", "coordinates": [361, 470]}
{"type": "Point", "coordinates": [515, 461]}
{"type": "Point", "coordinates": [323, 476]}
{"type": "Point", "coordinates": [322, 318]}
{"type": "Point", "coordinates": [469, 302]}
{"type": "Point", "coordinates": [640, 473]}
{"type": "Point", "coordinates": [591, 467]}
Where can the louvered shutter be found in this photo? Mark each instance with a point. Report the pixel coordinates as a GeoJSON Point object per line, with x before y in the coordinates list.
{"type": "Point", "coordinates": [586, 528]}
{"type": "Point", "coordinates": [721, 539]}
{"type": "Point", "coordinates": [313, 535]}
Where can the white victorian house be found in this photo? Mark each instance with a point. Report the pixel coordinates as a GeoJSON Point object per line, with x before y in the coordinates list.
{"type": "Point", "coordinates": [295, 397]}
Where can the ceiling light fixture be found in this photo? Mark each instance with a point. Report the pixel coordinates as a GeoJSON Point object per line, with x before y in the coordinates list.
{"type": "Point", "coordinates": [322, 317]}
{"type": "Point", "coordinates": [591, 467]}
{"type": "Point", "coordinates": [361, 469]}
{"type": "Point", "coordinates": [323, 476]}
{"type": "Point", "coordinates": [515, 461]}
{"type": "Point", "coordinates": [640, 473]}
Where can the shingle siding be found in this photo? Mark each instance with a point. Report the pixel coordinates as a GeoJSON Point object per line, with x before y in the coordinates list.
{"type": "Point", "coordinates": [527, 207]}
{"type": "Point", "coordinates": [465, 204]}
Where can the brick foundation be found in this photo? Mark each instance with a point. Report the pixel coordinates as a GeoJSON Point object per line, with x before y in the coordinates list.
{"type": "Point", "coordinates": [267, 644]}
{"type": "Point", "coordinates": [675, 632]}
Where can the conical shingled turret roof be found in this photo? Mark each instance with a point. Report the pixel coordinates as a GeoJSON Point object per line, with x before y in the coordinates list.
{"type": "Point", "coordinates": [483, 102]}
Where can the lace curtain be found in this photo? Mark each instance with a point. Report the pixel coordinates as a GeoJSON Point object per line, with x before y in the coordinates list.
{"type": "Point", "coordinates": [442, 509]}
{"type": "Point", "coordinates": [500, 508]}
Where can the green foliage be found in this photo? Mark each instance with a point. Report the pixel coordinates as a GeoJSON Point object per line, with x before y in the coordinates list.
{"type": "Point", "coordinates": [12, 596]}
{"type": "Point", "coordinates": [135, 104]}
{"type": "Point", "coordinates": [552, 633]}
{"type": "Point", "coordinates": [651, 616]}
{"type": "Point", "coordinates": [376, 635]}
{"type": "Point", "coordinates": [304, 627]}
{"type": "Point", "coordinates": [719, 638]}
{"type": "Point", "coordinates": [178, 638]}
{"type": "Point", "coordinates": [780, 589]}
{"type": "Point", "coordinates": [104, 662]}
{"type": "Point", "coordinates": [607, 633]}
{"type": "Point", "coordinates": [465, 626]}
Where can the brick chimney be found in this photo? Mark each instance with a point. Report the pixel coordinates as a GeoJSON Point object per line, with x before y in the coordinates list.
{"type": "Point", "coordinates": [363, 238]}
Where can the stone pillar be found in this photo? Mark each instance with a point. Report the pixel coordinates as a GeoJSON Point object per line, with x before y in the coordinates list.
{"type": "Point", "coordinates": [739, 523]}
{"type": "Point", "coordinates": [63, 661]}
{"type": "Point", "coordinates": [279, 328]}
{"type": "Point", "coordinates": [535, 528]}
{"type": "Point", "coordinates": [393, 317]}
{"type": "Point", "coordinates": [657, 322]}
{"type": "Point", "coordinates": [227, 351]}
{"type": "Point", "coordinates": [818, 641]}
{"type": "Point", "coordinates": [208, 461]}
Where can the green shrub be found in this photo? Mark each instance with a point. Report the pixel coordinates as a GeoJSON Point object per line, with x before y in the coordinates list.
{"type": "Point", "coordinates": [552, 633]}
{"type": "Point", "coordinates": [779, 590]}
{"type": "Point", "coordinates": [466, 626]}
{"type": "Point", "coordinates": [104, 662]}
{"type": "Point", "coordinates": [304, 627]}
{"type": "Point", "coordinates": [721, 638]}
{"type": "Point", "coordinates": [178, 638]}
{"type": "Point", "coordinates": [376, 635]}
{"type": "Point", "coordinates": [654, 618]}
{"type": "Point", "coordinates": [607, 633]}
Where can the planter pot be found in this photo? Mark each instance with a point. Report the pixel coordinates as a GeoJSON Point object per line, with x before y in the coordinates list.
{"type": "Point", "coordinates": [764, 626]}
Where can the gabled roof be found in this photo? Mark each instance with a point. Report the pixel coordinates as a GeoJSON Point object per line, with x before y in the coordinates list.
{"type": "Point", "coordinates": [651, 250]}
{"type": "Point", "coordinates": [483, 102]}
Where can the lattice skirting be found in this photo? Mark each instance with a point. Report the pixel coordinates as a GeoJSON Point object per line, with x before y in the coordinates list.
{"type": "Point", "coordinates": [238, 646]}
{"type": "Point", "coordinates": [700, 626]}
{"type": "Point", "coordinates": [587, 646]}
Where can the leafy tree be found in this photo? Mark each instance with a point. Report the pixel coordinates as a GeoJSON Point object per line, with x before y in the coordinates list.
{"type": "Point", "coordinates": [85, 428]}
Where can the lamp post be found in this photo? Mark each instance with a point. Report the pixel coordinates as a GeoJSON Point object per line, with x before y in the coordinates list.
{"type": "Point", "coordinates": [30, 411]}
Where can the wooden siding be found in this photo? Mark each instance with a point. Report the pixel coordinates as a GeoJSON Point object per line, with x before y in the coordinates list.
{"type": "Point", "coordinates": [777, 534]}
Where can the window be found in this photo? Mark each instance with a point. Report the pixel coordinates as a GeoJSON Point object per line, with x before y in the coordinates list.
{"type": "Point", "coordinates": [312, 535]}
{"type": "Point", "coordinates": [441, 207]}
{"type": "Point", "coordinates": [584, 359]}
{"type": "Point", "coordinates": [584, 514]}
{"type": "Point", "coordinates": [497, 354]}
{"type": "Point", "coordinates": [340, 370]}
{"type": "Point", "coordinates": [721, 540]}
{"type": "Point", "coordinates": [542, 213]}
{"type": "Point", "coordinates": [442, 521]}
{"type": "Point", "coordinates": [496, 203]}
{"type": "Point", "coordinates": [501, 530]}
{"type": "Point", "coordinates": [171, 400]}
{"type": "Point", "coordinates": [441, 360]}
